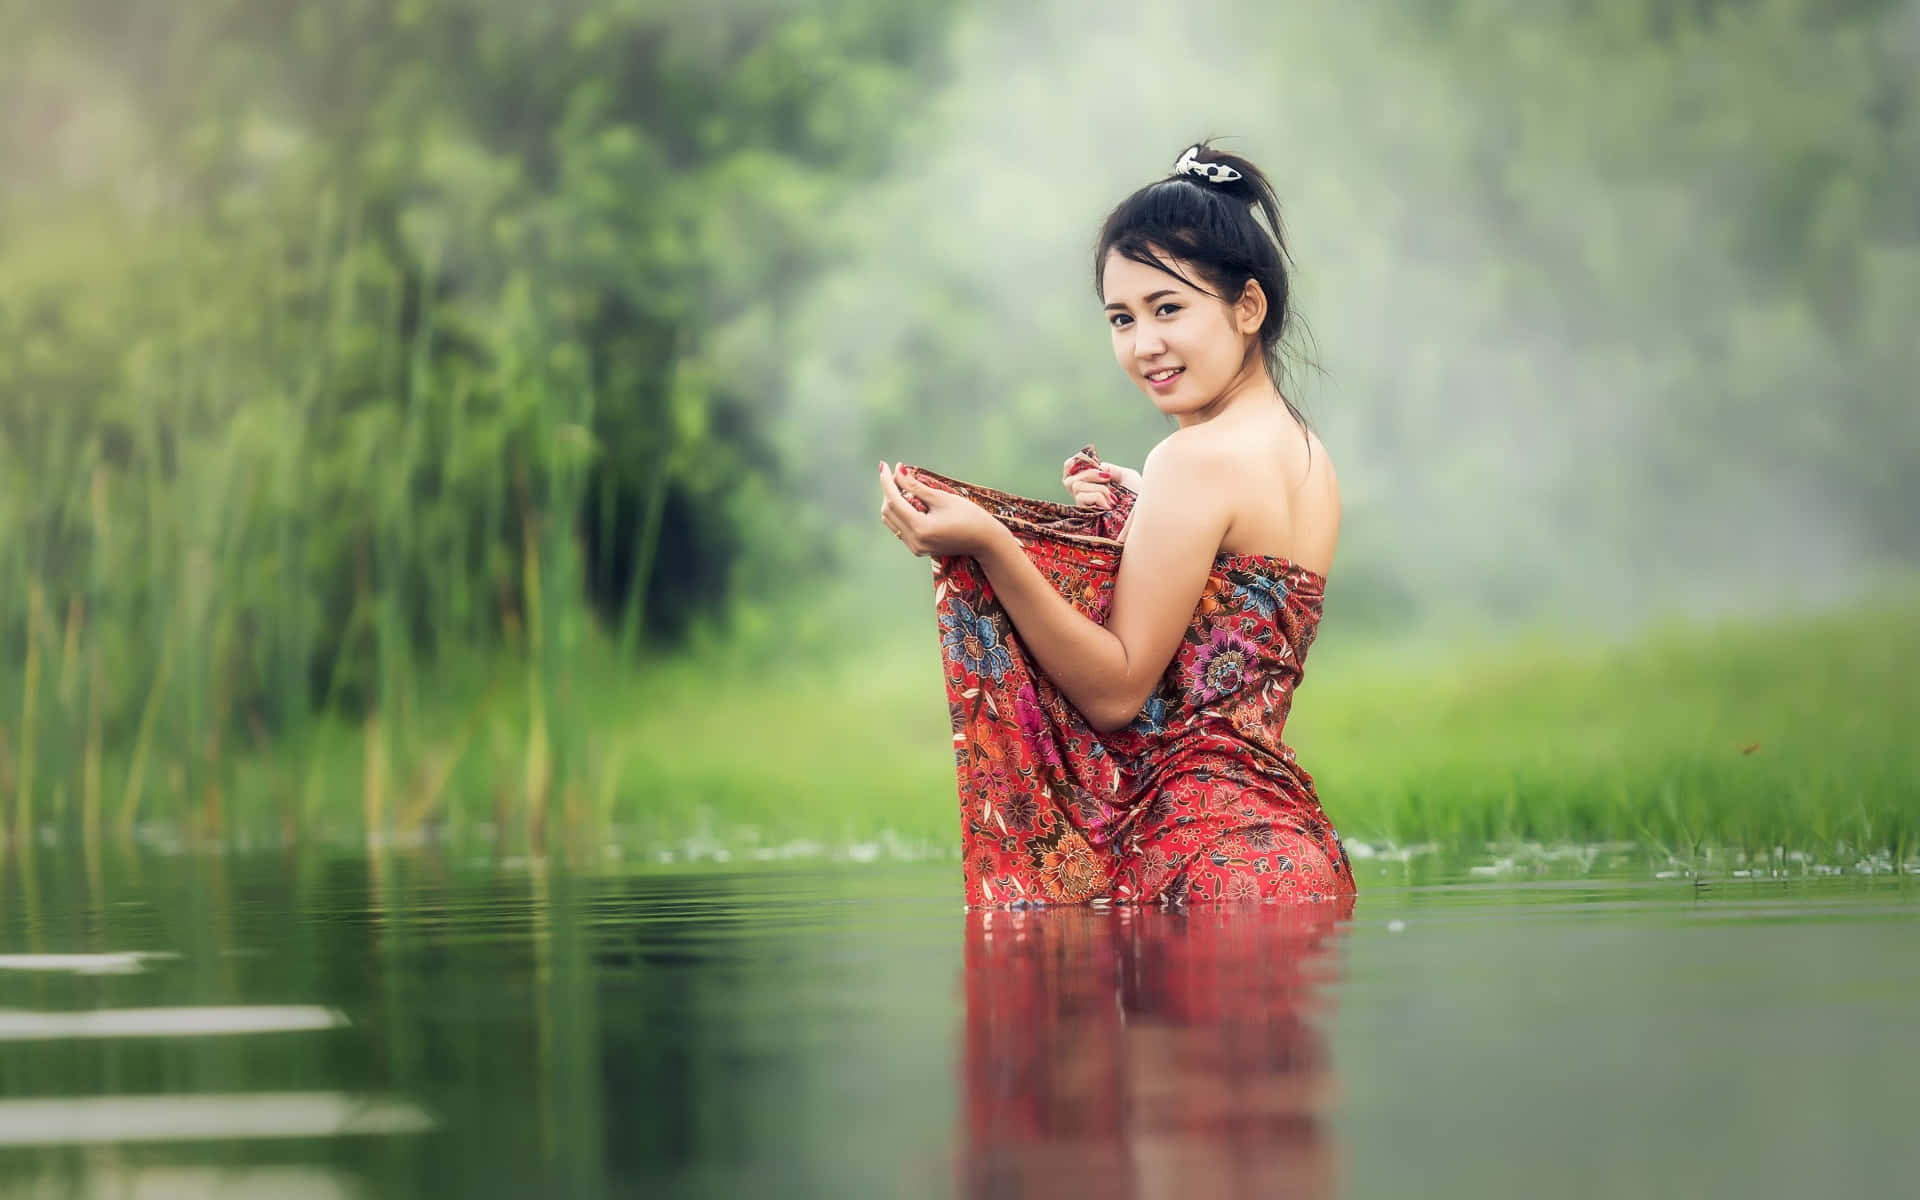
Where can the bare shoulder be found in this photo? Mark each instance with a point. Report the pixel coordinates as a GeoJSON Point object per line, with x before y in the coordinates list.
{"type": "Point", "coordinates": [1184, 474]}
{"type": "Point", "coordinates": [1320, 473]}
{"type": "Point", "coordinates": [1191, 455]}
{"type": "Point", "coordinates": [1313, 510]}
{"type": "Point", "coordinates": [1283, 492]}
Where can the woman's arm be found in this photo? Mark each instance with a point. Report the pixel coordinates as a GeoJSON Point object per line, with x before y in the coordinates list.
{"type": "Point", "coordinates": [1107, 672]}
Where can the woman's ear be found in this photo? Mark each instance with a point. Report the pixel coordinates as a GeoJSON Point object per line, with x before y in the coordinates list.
{"type": "Point", "coordinates": [1250, 310]}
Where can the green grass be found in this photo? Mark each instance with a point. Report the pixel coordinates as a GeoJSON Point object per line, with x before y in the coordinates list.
{"type": "Point", "coordinates": [1793, 736]}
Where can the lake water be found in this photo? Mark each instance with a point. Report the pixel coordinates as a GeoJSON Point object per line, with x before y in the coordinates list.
{"type": "Point", "coordinates": [412, 1026]}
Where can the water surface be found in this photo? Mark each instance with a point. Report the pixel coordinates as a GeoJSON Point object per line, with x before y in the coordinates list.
{"type": "Point", "coordinates": [327, 1026]}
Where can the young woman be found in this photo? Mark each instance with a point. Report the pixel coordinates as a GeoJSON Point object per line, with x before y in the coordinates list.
{"type": "Point", "coordinates": [1119, 671]}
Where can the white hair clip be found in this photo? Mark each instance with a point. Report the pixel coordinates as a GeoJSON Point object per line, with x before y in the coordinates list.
{"type": "Point", "coordinates": [1190, 164]}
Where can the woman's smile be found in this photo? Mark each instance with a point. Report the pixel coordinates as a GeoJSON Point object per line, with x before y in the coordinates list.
{"type": "Point", "coordinates": [1164, 378]}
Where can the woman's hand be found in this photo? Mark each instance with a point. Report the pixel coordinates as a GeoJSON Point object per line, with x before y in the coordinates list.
{"type": "Point", "coordinates": [1091, 487]}
{"type": "Point", "coordinates": [933, 521]}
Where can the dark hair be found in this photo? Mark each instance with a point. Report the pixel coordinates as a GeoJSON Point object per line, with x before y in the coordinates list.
{"type": "Point", "coordinates": [1211, 225]}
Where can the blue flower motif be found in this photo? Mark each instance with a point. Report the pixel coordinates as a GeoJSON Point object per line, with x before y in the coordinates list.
{"type": "Point", "coordinates": [974, 641]}
{"type": "Point", "coordinates": [1259, 593]}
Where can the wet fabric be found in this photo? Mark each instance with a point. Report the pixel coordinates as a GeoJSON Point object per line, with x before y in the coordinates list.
{"type": "Point", "coordinates": [1198, 799]}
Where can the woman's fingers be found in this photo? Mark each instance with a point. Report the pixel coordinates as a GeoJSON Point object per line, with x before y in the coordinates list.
{"type": "Point", "coordinates": [897, 524]}
{"type": "Point", "coordinates": [1091, 487]}
{"type": "Point", "coordinates": [1093, 495]}
{"type": "Point", "coordinates": [891, 489]}
{"type": "Point", "coordinates": [897, 507]}
{"type": "Point", "coordinates": [892, 504]}
{"type": "Point", "coordinates": [911, 493]}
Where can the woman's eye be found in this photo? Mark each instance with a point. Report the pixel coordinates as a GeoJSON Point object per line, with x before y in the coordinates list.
{"type": "Point", "coordinates": [1166, 309]}
{"type": "Point", "coordinates": [1118, 320]}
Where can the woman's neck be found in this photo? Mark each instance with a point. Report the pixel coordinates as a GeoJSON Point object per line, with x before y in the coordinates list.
{"type": "Point", "coordinates": [1251, 384]}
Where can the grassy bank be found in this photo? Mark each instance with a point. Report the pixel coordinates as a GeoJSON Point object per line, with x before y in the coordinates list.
{"type": "Point", "coordinates": [1794, 735]}
{"type": "Point", "coordinates": [1789, 737]}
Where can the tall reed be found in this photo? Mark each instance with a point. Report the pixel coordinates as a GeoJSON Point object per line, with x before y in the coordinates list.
{"type": "Point", "coordinates": [256, 521]}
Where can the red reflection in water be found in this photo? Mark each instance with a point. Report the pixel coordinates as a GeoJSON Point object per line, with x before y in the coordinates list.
{"type": "Point", "coordinates": [1143, 1052]}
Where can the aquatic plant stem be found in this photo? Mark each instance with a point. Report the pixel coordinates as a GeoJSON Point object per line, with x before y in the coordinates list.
{"type": "Point", "coordinates": [23, 832]}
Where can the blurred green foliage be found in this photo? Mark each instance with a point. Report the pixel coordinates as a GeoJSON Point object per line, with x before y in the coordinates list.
{"type": "Point", "coordinates": [375, 361]}
{"type": "Point", "coordinates": [337, 338]}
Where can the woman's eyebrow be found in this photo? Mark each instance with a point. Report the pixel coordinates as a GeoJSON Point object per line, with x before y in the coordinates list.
{"type": "Point", "coordinates": [1151, 297]}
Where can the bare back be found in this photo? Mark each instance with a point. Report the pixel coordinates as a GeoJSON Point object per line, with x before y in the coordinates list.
{"type": "Point", "coordinates": [1286, 494]}
{"type": "Point", "coordinates": [1289, 497]}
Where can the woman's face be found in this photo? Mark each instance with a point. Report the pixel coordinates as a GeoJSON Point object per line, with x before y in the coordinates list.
{"type": "Point", "coordinates": [1181, 346]}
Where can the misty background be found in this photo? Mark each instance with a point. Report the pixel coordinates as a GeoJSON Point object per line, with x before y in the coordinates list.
{"type": "Point", "coordinates": [445, 371]}
{"type": "Point", "coordinates": [1611, 304]}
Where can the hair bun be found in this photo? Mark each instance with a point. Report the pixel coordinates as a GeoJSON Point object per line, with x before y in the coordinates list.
{"type": "Point", "coordinates": [1206, 172]}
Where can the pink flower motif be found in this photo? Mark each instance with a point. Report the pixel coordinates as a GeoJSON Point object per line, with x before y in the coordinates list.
{"type": "Point", "coordinates": [1221, 666]}
{"type": "Point", "coordinates": [1241, 888]}
{"type": "Point", "coordinates": [1034, 730]}
{"type": "Point", "coordinates": [991, 780]}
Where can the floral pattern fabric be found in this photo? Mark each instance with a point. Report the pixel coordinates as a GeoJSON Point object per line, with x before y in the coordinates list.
{"type": "Point", "coordinates": [1198, 799]}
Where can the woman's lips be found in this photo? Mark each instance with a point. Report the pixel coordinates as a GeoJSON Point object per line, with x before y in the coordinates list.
{"type": "Point", "coordinates": [1163, 384]}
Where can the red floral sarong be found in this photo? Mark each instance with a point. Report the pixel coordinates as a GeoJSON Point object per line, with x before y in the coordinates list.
{"type": "Point", "coordinates": [1197, 799]}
